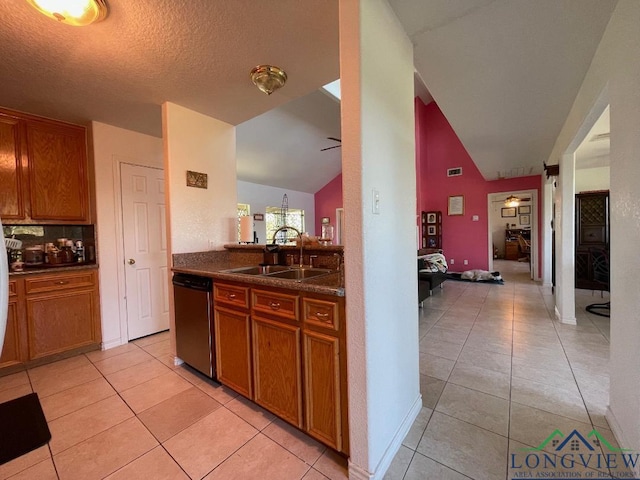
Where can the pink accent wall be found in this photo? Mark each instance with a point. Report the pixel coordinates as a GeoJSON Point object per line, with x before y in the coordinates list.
{"type": "Point", "coordinates": [327, 199]}
{"type": "Point", "coordinates": [439, 148]}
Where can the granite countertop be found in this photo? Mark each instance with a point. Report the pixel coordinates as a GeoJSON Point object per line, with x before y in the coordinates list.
{"type": "Point", "coordinates": [330, 284]}
{"type": "Point", "coordinates": [50, 269]}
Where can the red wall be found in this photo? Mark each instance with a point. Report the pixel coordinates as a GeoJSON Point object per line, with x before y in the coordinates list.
{"type": "Point", "coordinates": [438, 148]}
{"type": "Point", "coordinates": [327, 199]}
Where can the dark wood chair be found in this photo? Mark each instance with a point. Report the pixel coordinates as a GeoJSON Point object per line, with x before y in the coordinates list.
{"type": "Point", "coordinates": [525, 249]}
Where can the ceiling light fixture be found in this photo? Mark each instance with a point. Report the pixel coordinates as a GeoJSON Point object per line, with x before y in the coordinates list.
{"type": "Point", "coordinates": [268, 78]}
{"type": "Point", "coordinates": [512, 201]}
{"type": "Point", "coordinates": [77, 13]}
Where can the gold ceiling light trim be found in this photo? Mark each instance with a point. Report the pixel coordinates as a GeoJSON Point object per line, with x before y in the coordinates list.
{"type": "Point", "coordinates": [268, 78]}
{"type": "Point", "coordinates": [77, 13]}
{"type": "Point", "coordinates": [512, 201]}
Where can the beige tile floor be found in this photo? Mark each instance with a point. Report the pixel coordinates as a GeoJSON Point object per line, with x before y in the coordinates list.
{"type": "Point", "coordinates": [129, 413]}
{"type": "Point", "coordinates": [499, 374]}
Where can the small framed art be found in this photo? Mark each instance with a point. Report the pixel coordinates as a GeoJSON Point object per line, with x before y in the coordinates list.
{"type": "Point", "coordinates": [508, 212]}
{"type": "Point", "coordinates": [524, 209]}
{"type": "Point", "coordinates": [525, 220]}
{"type": "Point", "coordinates": [456, 205]}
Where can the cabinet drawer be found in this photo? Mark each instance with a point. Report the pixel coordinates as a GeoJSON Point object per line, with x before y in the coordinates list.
{"type": "Point", "coordinates": [279, 304]}
{"type": "Point", "coordinates": [231, 295]}
{"type": "Point", "coordinates": [320, 313]}
{"type": "Point", "coordinates": [54, 283]}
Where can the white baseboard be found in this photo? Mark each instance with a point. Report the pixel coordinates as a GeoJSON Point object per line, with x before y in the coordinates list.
{"type": "Point", "coordinates": [112, 344]}
{"type": "Point", "coordinates": [356, 472]}
{"type": "Point", "coordinates": [177, 361]}
{"type": "Point", "coordinates": [565, 320]}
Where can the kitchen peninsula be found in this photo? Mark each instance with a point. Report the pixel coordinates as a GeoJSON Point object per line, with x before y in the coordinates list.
{"type": "Point", "coordinates": [280, 342]}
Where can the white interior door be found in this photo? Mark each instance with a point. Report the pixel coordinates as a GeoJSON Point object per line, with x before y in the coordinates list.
{"type": "Point", "coordinates": [145, 250]}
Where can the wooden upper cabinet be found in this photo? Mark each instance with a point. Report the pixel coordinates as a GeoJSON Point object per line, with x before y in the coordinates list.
{"type": "Point", "coordinates": [11, 196]}
{"type": "Point", "coordinates": [59, 189]}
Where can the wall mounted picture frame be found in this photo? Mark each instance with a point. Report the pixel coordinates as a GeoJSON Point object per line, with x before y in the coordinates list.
{"type": "Point", "coordinates": [456, 205]}
{"type": "Point", "coordinates": [431, 218]}
{"type": "Point", "coordinates": [508, 212]}
{"type": "Point", "coordinates": [258, 217]}
{"type": "Point", "coordinates": [431, 230]}
{"type": "Point", "coordinates": [326, 220]}
{"type": "Point", "coordinates": [525, 219]}
{"type": "Point", "coordinates": [196, 179]}
{"type": "Point", "coordinates": [524, 209]}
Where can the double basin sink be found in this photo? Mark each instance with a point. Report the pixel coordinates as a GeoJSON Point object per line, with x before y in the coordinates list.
{"type": "Point", "coordinates": [282, 272]}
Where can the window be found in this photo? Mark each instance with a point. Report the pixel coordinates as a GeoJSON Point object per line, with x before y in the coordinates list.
{"type": "Point", "coordinates": [274, 219]}
{"type": "Point", "coordinates": [244, 209]}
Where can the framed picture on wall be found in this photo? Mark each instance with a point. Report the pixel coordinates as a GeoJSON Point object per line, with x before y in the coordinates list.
{"type": "Point", "coordinates": [456, 205]}
{"type": "Point", "coordinates": [524, 209]}
{"type": "Point", "coordinates": [431, 218]}
{"type": "Point", "coordinates": [508, 212]}
{"type": "Point", "coordinates": [431, 230]}
{"type": "Point", "coordinates": [525, 220]}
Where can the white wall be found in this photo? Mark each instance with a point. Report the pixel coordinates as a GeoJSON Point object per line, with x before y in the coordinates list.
{"type": "Point", "coordinates": [261, 196]}
{"type": "Point", "coordinates": [589, 179]}
{"type": "Point", "coordinates": [199, 219]}
{"type": "Point", "coordinates": [613, 79]}
{"type": "Point", "coordinates": [378, 153]}
{"type": "Point", "coordinates": [112, 145]}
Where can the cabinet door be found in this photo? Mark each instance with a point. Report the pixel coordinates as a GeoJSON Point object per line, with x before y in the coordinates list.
{"type": "Point", "coordinates": [276, 368]}
{"type": "Point", "coordinates": [322, 388]}
{"type": "Point", "coordinates": [233, 350]}
{"type": "Point", "coordinates": [11, 349]}
{"type": "Point", "coordinates": [61, 321]}
{"type": "Point", "coordinates": [57, 172]}
{"type": "Point", "coordinates": [11, 197]}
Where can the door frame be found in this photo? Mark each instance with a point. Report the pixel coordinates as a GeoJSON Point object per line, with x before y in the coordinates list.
{"type": "Point", "coordinates": [117, 161]}
{"type": "Point", "coordinates": [535, 243]}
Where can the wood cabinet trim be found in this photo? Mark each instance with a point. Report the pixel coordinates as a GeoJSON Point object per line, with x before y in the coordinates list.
{"type": "Point", "coordinates": [321, 313]}
{"type": "Point", "coordinates": [276, 304]}
{"type": "Point", "coordinates": [64, 281]}
{"type": "Point", "coordinates": [233, 295]}
{"type": "Point", "coordinates": [220, 364]}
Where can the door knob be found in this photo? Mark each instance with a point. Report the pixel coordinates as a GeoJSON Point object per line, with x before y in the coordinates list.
{"type": "Point", "coordinates": [132, 261]}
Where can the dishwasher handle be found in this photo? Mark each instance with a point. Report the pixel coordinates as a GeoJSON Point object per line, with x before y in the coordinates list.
{"type": "Point", "coordinates": [193, 282]}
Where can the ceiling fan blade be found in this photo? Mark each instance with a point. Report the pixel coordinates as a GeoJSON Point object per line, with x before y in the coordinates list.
{"type": "Point", "coordinates": [329, 148]}
{"type": "Point", "coordinates": [334, 139]}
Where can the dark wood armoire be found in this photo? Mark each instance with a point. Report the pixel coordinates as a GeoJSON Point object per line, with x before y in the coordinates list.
{"type": "Point", "coordinates": [592, 235]}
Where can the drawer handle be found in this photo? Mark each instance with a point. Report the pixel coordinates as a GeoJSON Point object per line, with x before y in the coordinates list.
{"type": "Point", "coordinates": [274, 305]}
{"type": "Point", "coordinates": [231, 296]}
{"type": "Point", "coordinates": [62, 282]}
{"type": "Point", "coordinates": [322, 315]}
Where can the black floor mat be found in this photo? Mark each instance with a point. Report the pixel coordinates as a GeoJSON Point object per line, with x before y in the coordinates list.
{"type": "Point", "coordinates": [23, 427]}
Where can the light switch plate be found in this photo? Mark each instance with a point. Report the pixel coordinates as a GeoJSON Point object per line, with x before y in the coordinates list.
{"type": "Point", "coordinates": [475, 218]}
{"type": "Point", "coordinates": [376, 202]}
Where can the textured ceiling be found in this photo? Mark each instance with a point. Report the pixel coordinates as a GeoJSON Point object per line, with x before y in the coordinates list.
{"type": "Point", "coordinates": [505, 73]}
{"type": "Point", "coordinates": [196, 53]}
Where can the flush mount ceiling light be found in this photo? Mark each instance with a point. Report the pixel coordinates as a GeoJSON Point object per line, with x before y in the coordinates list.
{"type": "Point", "coordinates": [77, 13]}
{"type": "Point", "coordinates": [268, 78]}
{"type": "Point", "coordinates": [512, 201]}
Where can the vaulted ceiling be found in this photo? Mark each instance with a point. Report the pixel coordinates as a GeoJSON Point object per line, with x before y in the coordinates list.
{"type": "Point", "coordinates": [504, 72]}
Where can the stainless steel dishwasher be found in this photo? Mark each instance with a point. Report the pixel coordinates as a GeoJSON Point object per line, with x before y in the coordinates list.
{"type": "Point", "coordinates": [194, 322]}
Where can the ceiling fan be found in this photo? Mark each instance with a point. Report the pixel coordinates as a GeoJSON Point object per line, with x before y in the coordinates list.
{"type": "Point", "coordinates": [335, 146]}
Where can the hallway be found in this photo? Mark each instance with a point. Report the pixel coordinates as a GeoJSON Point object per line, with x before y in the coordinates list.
{"type": "Point", "coordinates": [498, 374]}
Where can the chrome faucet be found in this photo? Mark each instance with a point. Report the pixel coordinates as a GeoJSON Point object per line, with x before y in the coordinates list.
{"type": "Point", "coordinates": [285, 228]}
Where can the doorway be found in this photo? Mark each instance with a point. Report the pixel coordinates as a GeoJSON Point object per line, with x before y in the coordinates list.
{"type": "Point", "coordinates": [511, 227]}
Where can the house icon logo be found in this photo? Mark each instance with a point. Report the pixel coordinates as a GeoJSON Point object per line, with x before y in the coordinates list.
{"type": "Point", "coordinates": [574, 442]}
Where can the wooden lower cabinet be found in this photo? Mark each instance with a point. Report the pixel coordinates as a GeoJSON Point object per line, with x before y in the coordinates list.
{"type": "Point", "coordinates": [233, 349]}
{"type": "Point", "coordinates": [50, 314]}
{"type": "Point", "coordinates": [276, 368]}
{"type": "Point", "coordinates": [11, 351]}
{"type": "Point", "coordinates": [322, 388]}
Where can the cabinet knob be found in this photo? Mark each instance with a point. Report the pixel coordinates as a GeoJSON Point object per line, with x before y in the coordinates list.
{"type": "Point", "coordinates": [231, 296]}
{"type": "Point", "coordinates": [274, 305]}
{"type": "Point", "coordinates": [132, 261]}
{"type": "Point", "coordinates": [321, 315]}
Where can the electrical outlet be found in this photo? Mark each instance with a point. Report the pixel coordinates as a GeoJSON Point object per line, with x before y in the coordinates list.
{"type": "Point", "coordinates": [475, 218]}
{"type": "Point", "coordinates": [466, 262]}
{"type": "Point", "coordinates": [452, 261]}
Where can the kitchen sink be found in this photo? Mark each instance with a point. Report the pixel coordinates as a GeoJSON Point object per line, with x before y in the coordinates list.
{"type": "Point", "coordinates": [300, 273]}
{"type": "Point", "coordinates": [258, 270]}
{"type": "Point", "coordinates": [281, 271]}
